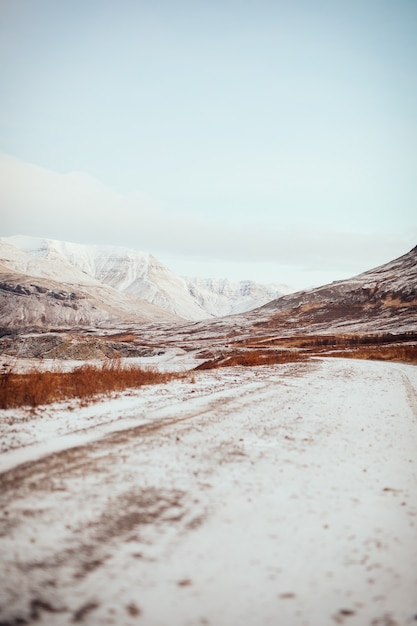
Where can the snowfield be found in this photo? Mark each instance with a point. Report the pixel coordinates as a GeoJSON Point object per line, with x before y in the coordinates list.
{"type": "Point", "coordinates": [282, 495]}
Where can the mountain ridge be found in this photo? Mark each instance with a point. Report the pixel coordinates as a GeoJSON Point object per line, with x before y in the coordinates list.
{"type": "Point", "coordinates": [385, 296]}
{"type": "Point", "coordinates": [125, 271]}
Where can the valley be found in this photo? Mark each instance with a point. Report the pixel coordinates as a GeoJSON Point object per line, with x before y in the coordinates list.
{"type": "Point", "coordinates": [265, 475]}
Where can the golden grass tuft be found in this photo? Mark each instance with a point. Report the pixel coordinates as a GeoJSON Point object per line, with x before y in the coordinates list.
{"type": "Point", "coordinates": [37, 387]}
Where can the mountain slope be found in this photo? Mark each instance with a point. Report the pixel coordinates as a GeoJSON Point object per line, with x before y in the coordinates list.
{"type": "Point", "coordinates": [27, 300]}
{"type": "Point", "coordinates": [381, 299]}
{"type": "Point", "coordinates": [124, 270]}
{"type": "Point", "coordinates": [40, 286]}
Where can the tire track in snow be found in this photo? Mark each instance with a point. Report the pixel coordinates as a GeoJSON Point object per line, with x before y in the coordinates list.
{"type": "Point", "coordinates": [307, 534]}
{"type": "Point", "coordinates": [140, 416]}
{"type": "Point", "coordinates": [411, 393]}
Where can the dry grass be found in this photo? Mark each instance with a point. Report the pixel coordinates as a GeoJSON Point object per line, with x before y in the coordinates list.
{"type": "Point", "coordinates": [403, 354]}
{"type": "Point", "coordinates": [342, 340]}
{"type": "Point", "coordinates": [252, 358]}
{"type": "Point", "coordinates": [382, 346]}
{"type": "Point", "coordinates": [38, 387]}
{"type": "Point", "coordinates": [270, 349]}
{"type": "Point", "coordinates": [85, 383]}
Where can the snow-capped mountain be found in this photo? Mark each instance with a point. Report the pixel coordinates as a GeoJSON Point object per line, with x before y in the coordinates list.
{"type": "Point", "coordinates": [109, 281]}
{"type": "Point", "coordinates": [224, 297]}
{"type": "Point", "coordinates": [30, 300]}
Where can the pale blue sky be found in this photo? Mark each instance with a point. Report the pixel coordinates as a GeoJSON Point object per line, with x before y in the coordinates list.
{"type": "Point", "coordinates": [268, 140]}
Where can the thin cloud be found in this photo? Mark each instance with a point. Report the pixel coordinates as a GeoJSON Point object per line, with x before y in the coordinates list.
{"type": "Point", "coordinates": [77, 207]}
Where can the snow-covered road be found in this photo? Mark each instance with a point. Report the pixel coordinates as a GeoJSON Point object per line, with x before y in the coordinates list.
{"type": "Point", "coordinates": [282, 495]}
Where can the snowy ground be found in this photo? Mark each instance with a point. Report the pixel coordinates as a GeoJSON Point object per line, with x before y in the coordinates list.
{"type": "Point", "coordinates": [170, 359]}
{"type": "Point", "coordinates": [282, 495]}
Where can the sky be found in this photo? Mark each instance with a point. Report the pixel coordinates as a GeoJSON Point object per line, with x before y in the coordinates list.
{"type": "Point", "coordinates": [268, 140]}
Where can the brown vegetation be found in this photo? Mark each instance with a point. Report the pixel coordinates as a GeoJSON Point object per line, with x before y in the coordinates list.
{"type": "Point", "coordinates": [404, 354]}
{"type": "Point", "coordinates": [342, 340]}
{"type": "Point", "coordinates": [252, 358]}
{"type": "Point", "coordinates": [383, 346]}
{"type": "Point", "coordinates": [85, 383]}
{"type": "Point", "coordinates": [38, 387]}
